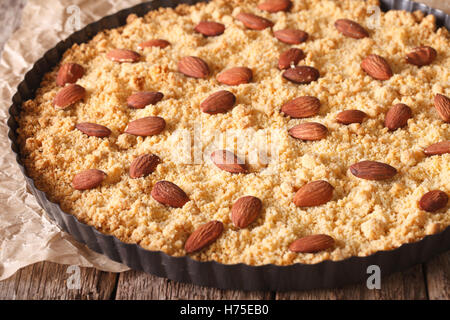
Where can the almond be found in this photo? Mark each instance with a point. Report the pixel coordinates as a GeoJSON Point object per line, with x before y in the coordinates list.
{"type": "Point", "coordinates": [148, 126]}
{"type": "Point", "coordinates": [228, 161]}
{"type": "Point", "coordinates": [69, 73]}
{"type": "Point", "coordinates": [302, 107]}
{"type": "Point", "coordinates": [376, 67]}
{"type": "Point", "coordinates": [351, 29]}
{"type": "Point", "coordinates": [312, 244]}
{"type": "Point", "coordinates": [210, 28]}
{"type": "Point", "coordinates": [69, 95]}
{"type": "Point", "coordinates": [290, 57]}
{"type": "Point", "coordinates": [169, 194]}
{"type": "Point", "coordinates": [302, 74]}
{"type": "Point", "coordinates": [309, 131]}
{"type": "Point", "coordinates": [219, 102]}
{"type": "Point", "coordinates": [397, 116]}
{"type": "Point", "coordinates": [372, 170]}
{"type": "Point", "coordinates": [314, 194]}
{"type": "Point", "coordinates": [245, 210]}
{"type": "Point", "coordinates": [235, 76]}
{"type": "Point", "coordinates": [273, 6]}
{"type": "Point", "coordinates": [140, 100]}
{"type": "Point", "coordinates": [93, 129]}
{"type": "Point", "coordinates": [421, 56]}
{"type": "Point", "coordinates": [203, 236]}
{"type": "Point", "coordinates": [144, 165]}
{"type": "Point", "coordinates": [193, 67]}
{"type": "Point", "coordinates": [88, 179]}
{"type": "Point", "coordinates": [442, 105]}
{"type": "Point", "coordinates": [433, 200]}
{"type": "Point", "coordinates": [160, 43]}
{"type": "Point", "coordinates": [350, 116]}
{"type": "Point", "coordinates": [123, 55]}
{"type": "Point", "coordinates": [438, 148]}
{"type": "Point", "coordinates": [291, 36]}
{"type": "Point", "coordinates": [254, 22]}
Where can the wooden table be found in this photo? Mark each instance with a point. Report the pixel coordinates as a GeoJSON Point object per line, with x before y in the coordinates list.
{"type": "Point", "coordinates": [47, 280]}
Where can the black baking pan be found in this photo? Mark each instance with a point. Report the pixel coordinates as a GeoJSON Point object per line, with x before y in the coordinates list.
{"type": "Point", "coordinates": [326, 274]}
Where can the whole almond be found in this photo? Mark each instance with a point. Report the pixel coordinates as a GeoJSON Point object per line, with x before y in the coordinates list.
{"type": "Point", "coordinates": [93, 129]}
{"type": "Point", "coordinates": [123, 55]}
{"type": "Point", "coordinates": [376, 67]}
{"type": "Point", "coordinates": [254, 22]}
{"type": "Point", "coordinates": [193, 67]}
{"type": "Point", "coordinates": [301, 74]}
{"type": "Point", "coordinates": [314, 194]}
{"type": "Point", "coordinates": [169, 194]}
{"type": "Point", "coordinates": [291, 36]}
{"type": "Point", "coordinates": [442, 105]}
{"type": "Point", "coordinates": [372, 170]}
{"type": "Point", "coordinates": [421, 56]}
{"type": "Point", "coordinates": [228, 161]}
{"type": "Point", "coordinates": [433, 200]}
{"type": "Point", "coordinates": [235, 76]}
{"type": "Point", "coordinates": [312, 244]}
{"type": "Point", "coordinates": [351, 29]}
{"type": "Point", "coordinates": [218, 102]}
{"type": "Point", "coordinates": [302, 107]}
{"type": "Point", "coordinates": [144, 165]}
{"type": "Point", "coordinates": [160, 43]}
{"type": "Point", "coordinates": [203, 236]}
{"type": "Point", "coordinates": [210, 28]}
{"type": "Point", "coordinates": [350, 116]}
{"type": "Point", "coordinates": [397, 116]}
{"type": "Point", "coordinates": [88, 179]}
{"type": "Point", "coordinates": [273, 6]}
{"type": "Point", "coordinates": [69, 73]}
{"type": "Point", "coordinates": [148, 126]}
{"type": "Point", "coordinates": [245, 210]}
{"type": "Point", "coordinates": [69, 95]}
{"type": "Point", "coordinates": [140, 100]}
{"type": "Point", "coordinates": [290, 57]}
{"type": "Point", "coordinates": [438, 148]}
{"type": "Point", "coordinates": [309, 131]}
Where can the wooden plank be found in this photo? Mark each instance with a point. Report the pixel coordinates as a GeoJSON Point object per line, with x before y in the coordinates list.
{"type": "Point", "coordinates": [437, 274]}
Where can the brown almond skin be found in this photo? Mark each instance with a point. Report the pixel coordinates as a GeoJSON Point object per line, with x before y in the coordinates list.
{"type": "Point", "coordinates": [350, 116]}
{"type": "Point", "coordinates": [140, 100]}
{"type": "Point", "coordinates": [314, 194]}
{"type": "Point", "coordinates": [377, 67]}
{"type": "Point", "coordinates": [69, 95]}
{"type": "Point", "coordinates": [442, 105]}
{"type": "Point", "coordinates": [309, 131]}
{"type": "Point", "coordinates": [301, 74]}
{"type": "Point", "coordinates": [438, 148]}
{"type": "Point", "coordinates": [290, 57]}
{"type": "Point", "coordinates": [169, 194]}
{"type": "Point", "coordinates": [210, 28]}
{"type": "Point", "coordinates": [148, 126]}
{"type": "Point", "coordinates": [193, 67]}
{"type": "Point", "coordinates": [302, 107]}
{"type": "Point", "coordinates": [351, 29]}
{"type": "Point", "coordinates": [397, 116]}
{"type": "Point", "coordinates": [273, 6]}
{"type": "Point", "coordinates": [312, 244]}
{"type": "Point", "coordinates": [228, 161]}
{"type": "Point", "coordinates": [93, 129]}
{"type": "Point", "coordinates": [123, 55]}
{"type": "Point", "coordinates": [88, 179]}
{"type": "Point", "coordinates": [372, 170]}
{"type": "Point", "coordinates": [143, 165]}
{"type": "Point", "coordinates": [235, 76]}
{"type": "Point", "coordinates": [203, 236]}
{"type": "Point", "coordinates": [291, 36]}
{"type": "Point", "coordinates": [69, 73]}
{"type": "Point", "coordinates": [421, 56]}
{"type": "Point", "coordinates": [245, 210]}
{"type": "Point", "coordinates": [253, 21]}
{"type": "Point", "coordinates": [218, 102]}
{"type": "Point", "coordinates": [433, 201]}
{"type": "Point", "coordinates": [160, 43]}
